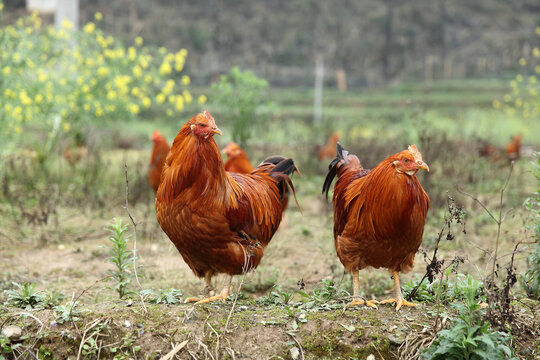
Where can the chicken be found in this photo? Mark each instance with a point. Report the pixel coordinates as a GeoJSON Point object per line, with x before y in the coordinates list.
{"type": "Point", "coordinates": [237, 160]}
{"type": "Point", "coordinates": [77, 151]}
{"type": "Point", "coordinates": [219, 221]}
{"type": "Point", "coordinates": [379, 215]}
{"type": "Point", "coordinates": [329, 149]}
{"type": "Point", "coordinates": [513, 148]}
{"type": "Point", "coordinates": [157, 160]}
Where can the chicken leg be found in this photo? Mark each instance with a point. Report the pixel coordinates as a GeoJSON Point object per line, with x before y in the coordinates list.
{"type": "Point", "coordinates": [357, 300]}
{"type": "Point", "coordinates": [206, 289]}
{"type": "Point", "coordinates": [398, 298]}
{"type": "Point", "coordinates": [222, 296]}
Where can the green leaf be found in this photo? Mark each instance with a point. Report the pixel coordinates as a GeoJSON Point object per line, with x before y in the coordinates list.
{"type": "Point", "coordinates": [349, 328]}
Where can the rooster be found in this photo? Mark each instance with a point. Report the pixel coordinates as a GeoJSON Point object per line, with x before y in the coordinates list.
{"type": "Point", "coordinates": [219, 221]}
{"type": "Point", "coordinates": [329, 149]}
{"type": "Point", "coordinates": [379, 215]}
{"type": "Point", "coordinates": [513, 148]}
{"type": "Point", "coordinates": [157, 160]}
{"type": "Point", "coordinates": [237, 160]}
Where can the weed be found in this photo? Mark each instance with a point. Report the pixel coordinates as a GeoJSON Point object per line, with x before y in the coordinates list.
{"type": "Point", "coordinates": [470, 337]}
{"type": "Point", "coordinates": [67, 312]}
{"type": "Point", "coordinates": [530, 281]}
{"type": "Point", "coordinates": [120, 256]}
{"type": "Point", "coordinates": [166, 296]}
{"type": "Point", "coordinates": [276, 296]}
{"type": "Point", "coordinates": [25, 297]}
{"type": "Point", "coordinates": [326, 292]}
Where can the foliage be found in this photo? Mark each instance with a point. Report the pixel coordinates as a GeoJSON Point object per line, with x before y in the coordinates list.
{"type": "Point", "coordinates": [470, 337]}
{"type": "Point", "coordinates": [240, 96]}
{"type": "Point", "coordinates": [100, 79]}
{"type": "Point", "coordinates": [531, 279]}
{"type": "Point", "coordinates": [324, 293]}
{"type": "Point", "coordinates": [120, 256]}
{"type": "Point", "coordinates": [67, 312]}
{"type": "Point", "coordinates": [24, 296]}
{"type": "Point", "coordinates": [524, 98]}
{"type": "Point", "coordinates": [164, 296]}
{"type": "Point", "coordinates": [276, 296]}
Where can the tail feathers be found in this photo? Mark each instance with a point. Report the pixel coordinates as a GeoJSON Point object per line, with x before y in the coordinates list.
{"type": "Point", "coordinates": [342, 162]}
{"type": "Point", "coordinates": [282, 169]}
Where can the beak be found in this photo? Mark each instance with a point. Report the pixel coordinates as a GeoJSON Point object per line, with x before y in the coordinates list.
{"type": "Point", "coordinates": [424, 166]}
{"type": "Point", "coordinates": [216, 131]}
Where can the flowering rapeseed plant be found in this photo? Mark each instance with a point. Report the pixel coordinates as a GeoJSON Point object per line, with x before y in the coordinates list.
{"type": "Point", "coordinates": [83, 77]}
{"type": "Point", "coordinates": [523, 98]}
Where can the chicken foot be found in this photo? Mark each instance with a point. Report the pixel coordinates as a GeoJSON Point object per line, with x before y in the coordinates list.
{"type": "Point", "coordinates": [398, 298]}
{"type": "Point", "coordinates": [207, 289]}
{"type": "Point", "coordinates": [357, 299]}
{"type": "Point", "coordinates": [222, 296]}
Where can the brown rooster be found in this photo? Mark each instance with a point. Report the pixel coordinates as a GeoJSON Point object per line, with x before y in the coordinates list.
{"type": "Point", "coordinates": [329, 149]}
{"type": "Point", "coordinates": [219, 221]}
{"type": "Point", "coordinates": [157, 160]}
{"type": "Point", "coordinates": [513, 148]}
{"type": "Point", "coordinates": [237, 160]}
{"type": "Point", "coordinates": [379, 215]}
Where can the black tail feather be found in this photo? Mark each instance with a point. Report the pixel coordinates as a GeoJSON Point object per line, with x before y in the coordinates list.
{"type": "Point", "coordinates": [283, 166]}
{"type": "Point", "coordinates": [333, 169]}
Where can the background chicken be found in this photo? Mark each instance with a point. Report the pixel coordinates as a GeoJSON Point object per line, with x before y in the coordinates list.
{"type": "Point", "coordinates": [328, 151]}
{"type": "Point", "coordinates": [379, 215]}
{"type": "Point", "coordinates": [157, 160]}
{"type": "Point", "coordinates": [513, 148]}
{"type": "Point", "coordinates": [237, 160]}
{"type": "Point", "coordinates": [77, 151]}
{"type": "Point", "coordinates": [219, 221]}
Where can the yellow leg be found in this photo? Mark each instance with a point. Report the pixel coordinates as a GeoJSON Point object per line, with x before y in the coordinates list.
{"type": "Point", "coordinates": [398, 298]}
{"type": "Point", "coordinates": [222, 296]}
{"type": "Point", "coordinates": [357, 300]}
{"type": "Point", "coordinates": [206, 290]}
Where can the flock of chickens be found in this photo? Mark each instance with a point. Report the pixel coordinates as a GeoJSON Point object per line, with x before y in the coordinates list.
{"type": "Point", "coordinates": [221, 217]}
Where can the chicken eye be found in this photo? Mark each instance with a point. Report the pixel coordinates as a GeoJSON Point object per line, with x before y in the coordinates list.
{"type": "Point", "coordinates": [202, 125]}
{"type": "Point", "coordinates": [406, 160]}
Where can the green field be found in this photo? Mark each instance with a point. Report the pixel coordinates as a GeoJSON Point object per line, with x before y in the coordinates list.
{"type": "Point", "coordinates": [53, 215]}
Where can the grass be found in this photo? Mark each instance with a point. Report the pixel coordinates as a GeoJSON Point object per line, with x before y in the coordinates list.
{"type": "Point", "coordinates": [65, 252]}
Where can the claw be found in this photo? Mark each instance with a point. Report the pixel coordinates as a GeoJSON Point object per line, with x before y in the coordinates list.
{"type": "Point", "coordinates": [370, 303]}
{"type": "Point", "coordinates": [221, 297]}
{"type": "Point", "coordinates": [399, 302]}
{"type": "Point", "coordinates": [191, 299]}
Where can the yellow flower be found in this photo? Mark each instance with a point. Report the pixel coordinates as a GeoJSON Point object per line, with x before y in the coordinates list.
{"type": "Point", "coordinates": [507, 98]}
{"type": "Point", "coordinates": [536, 52]}
{"type": "Point", "coordinates": [89, 28]}
{"type": "Point", "coordinates": [1, 6]}
{"type": "Point", "coordinates": [102, 71]}
{"type": "Point", "coordinates": [538, 30]}
{"type": "Point", "coordinates": [99, 112]}
{"type": "Point", "coordinates": [137, 71]}
{"type": "Point", "coordinates": [6, 70]}
{"type": "Point", "coordinates": [66, 24]}
{"type": "Point", "coordinates": [63, 113]}
{"type": "Point", "coordinates": [148, 79]}
{"type": "Point", "coordinates": [537, 69]}
{"type": "Point", "coordinates": [519, 78]}
{"type": "Point", "coordinates": [138, 41]}
{"type": "Point", "coordinates": [172, 99]}
{"type": "Point", "coordinates": [86, 107]}
{"type": "Point", "coordinates": [111, 95]}
{"type": "Point", "coordinates": [202, 99]}
{"type": "Point", "coordinates": [25, 99]}
{"type": "Point", "coordinates": [98, 16]}
{"type": "Point", "coordinates": [185, 80]}
{"type": "Point", "coordinates": [169, 112]}
{"type": "Point", "coordinates": [162, 50]}
{"type": "Point", "coordinates": [85, 88]}
{"type": "Point", "coordinates": [165, 68]}
{"type": "Point", "coordinates": [135, 91]}
{"type": "Point", "coordinates": [522, 62]}
{"type": "Point", "coordinates": [187, 96]}
{"type": "Point", "coordinates": [133, 108]}
{"type": "Point", "coordinates": [179, 103]}
{"type": "Point", "coordinates": [18, 129]}
{"type": "Point", "coordinates": [132, 53]}
{"type": "Point", "coordinates": [66, 126]}
{"type": "Point", "coordinates": [496, 104]}
{"type": "Point", "coordinates": [16, 57]}
{"type": "Point", "coordinates": [518, 102]}
{"type": "Point", "coordinates": [38, 99]}
{"type": "Point", "coordinates": [532, 79]}
{"type": "Point", "coordinates": [146, 102]}
{"type": "Point", "coordinates": [63, 82]}
{"type": "Point", "coordinates": [160, 98]}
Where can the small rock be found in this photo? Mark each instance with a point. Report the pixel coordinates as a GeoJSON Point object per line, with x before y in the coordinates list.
{"type": "Point", "coordinates": [53, 323]}
{"type": "Point", "coordinates": [139, 325]}
{"type": "Point", "coordinates": [302, 316]}
{"type": "Point", "coordinates": [12, 332]}
{"type": "Point", "coordinates": [295, 353]}
{"type": "Point", "coordinates": [129, 303]}
{"type": "Point", "coordinates": [127, 324]}
{"type": "Point", "coordinates": [370, 357]}
{"type": "Point", "coordinates": [243, 308]}
{"type": "Point", "coordinates": [365, 322]}
{"type": "Point", "coordinates": [395, 340]}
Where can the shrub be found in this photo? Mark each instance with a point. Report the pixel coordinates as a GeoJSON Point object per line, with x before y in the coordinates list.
{"type": "Point", "coordinates": [239, 96]}
{"type": "Point", "coordinates": [120, 256]}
